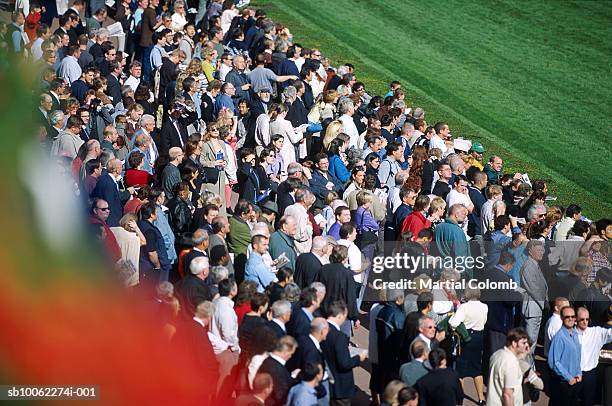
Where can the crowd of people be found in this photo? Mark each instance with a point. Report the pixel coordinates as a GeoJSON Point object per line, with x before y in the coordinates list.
{"type": "Point", "coordinates": [244, 185]}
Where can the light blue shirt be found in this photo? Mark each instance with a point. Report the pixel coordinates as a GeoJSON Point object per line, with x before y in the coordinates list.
{"type": "Point", "coordinates": [564, 354]}
{"type": "Point", "coordinates": [156, 57]}
{"type": "Point", "coordinates": [302, 395]}
{"type": "Point", "coordinates": [164, 228]}
{"type": "Point", "coordinates": [256, 270]}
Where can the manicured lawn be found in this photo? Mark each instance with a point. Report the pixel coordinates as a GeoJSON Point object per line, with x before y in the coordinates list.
{"type": "Point", "coordinates": [531, 80]}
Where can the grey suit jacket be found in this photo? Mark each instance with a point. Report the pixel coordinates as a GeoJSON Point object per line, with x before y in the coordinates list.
{"type": "Point", "coordinates": [532, 280]}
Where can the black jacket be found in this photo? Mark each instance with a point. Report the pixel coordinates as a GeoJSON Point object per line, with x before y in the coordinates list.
{"type": "Point", "coordinates": [336, 352]}
{"type": "Point", "coordinates": [307, 267]}
{"type": "Point", "coordinates": [299, 323]}
{"type": "Point", "coordinates": [192, 291]}
{"type": "Point", "coordinates": [340, 286]}
{"type": "Point", "coordinates": [106, 189]}
{"type": "Point", "coordinates": [501, 302]}
{"type": "Point", "coordinates": [179, 215]}
{"type": "Point", "coordinates": [169, 137]}
{"type": "Point", "coordinates": [253, 182]}
{"type": "Point", "coordinates": [305, 353]}
{"type": "Point", "coordinates": [281, 378]}
{"type": "Point", "coordinates": [114, 89]}
{"type": "Point", "coordinates": [440, 387]}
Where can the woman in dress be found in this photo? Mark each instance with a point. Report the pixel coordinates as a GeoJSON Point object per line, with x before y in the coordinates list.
{"type": "Point", "coordinates": [473, 314]}
{"type": "Point", "coordinates": [213, 156]}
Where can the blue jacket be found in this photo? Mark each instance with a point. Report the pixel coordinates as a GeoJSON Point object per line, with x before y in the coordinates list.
{"type": "Point", "coordinates": [451, 240]}
{"type": "Point", "coordinates": [224, 100]}
{"type": "Point", "coordinates": [338, 169]}
{"type": "Point", "coordinates": [564, 354]}
{"type": "Point", "coordinates": [107, 189]}
{"type": "Point", "coordinates": [495, 244]}
{"type": "Point", "coordinates": [318, 184]}
{"type": "Point", "coordinates": [256, 270]}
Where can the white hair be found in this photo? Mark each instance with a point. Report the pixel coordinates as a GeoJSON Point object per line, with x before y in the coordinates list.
{"type": "Point", "coordinates": [280, 308]}
{"type": "Point", "coordinates": [218, 273]}
{"type": "Point", "coordinates": [345, 106]}
{"type": "Point", "coordinates": [198, 265]}
{"type": "Point", "coordinates": [145, 119]}
{"type": "Point", "coordinates": [318, 243]}
{"type": "Point", "coordinates": [260, 229]}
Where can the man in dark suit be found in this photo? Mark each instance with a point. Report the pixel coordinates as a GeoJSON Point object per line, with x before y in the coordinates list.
{"type": "Point", "coordinates": [281, 314]}
{"type": "Point", "coordinates": [322, 182]}
{"type": "Point", "coordinates": [114, 86]}
{"type": "Point", "coordinates": [41, 115]}
{"type": "Point", "coordinates": [503, 304]}
{"type": "Point", "coordinates": [108, 189]}
{"type": "Point", "coordinates": [275, 366]}
{"type": "Point", "coordinates": [308, 264]}
{"type": "Point", "coordinates": [336, 353]}
{"type": "Point", "coordinates": [303, 313]}
{"type": "Point", "coordinates": [173, 133]}
{"type": "Point", "coordinates": [440, 386]}
{"type": "Point", "coordinates": [193, 289]}
{"type": "Point", "coordinates": [262, 389]}
{"type": "Point", "coordinates": [200, 247]}
{"type": "Point", "coordinates": [192, 341]}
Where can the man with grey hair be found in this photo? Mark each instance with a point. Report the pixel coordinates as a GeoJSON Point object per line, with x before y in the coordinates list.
{"type": "Point", "coordinates": [282, 241]}
{"type": "Point", "coordinates": [193, 289]}
{"type": "Point", "coordinates": [275, 366]}
{"type": "Point", "coordinates": [321, 291]}
{"type": "Point", "coordinates": [239, 79]}
{"type": "Point", "coordinates": [147, 126]}
{"type": "Point", "coordinates": [171, 176]}
{"type": "Point", "coordinates": [93, 152]}
{"type": "Point", "coordinates": [346, 109]}
{"type": "Point", "coordinates": [536, 213]}
{"type": "Point", "coordinates": [443, 297]}
{"type": "Point", "coordinates": [200, 241]}
{"type": "Point", "coordinates": [389, 326]}
{"type": "Point", "coordinates": [302, 237]}
{"type": "Point", "coordinates": [308, 264]}
{"type": "Point", "coordinates": [281, 314]}
{"type": "Point", "coordinates": [56, 122]}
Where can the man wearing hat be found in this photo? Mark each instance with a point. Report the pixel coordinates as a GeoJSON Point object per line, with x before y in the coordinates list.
{"type": "Point", "coordinates": [269, 211]}
{"type": "Point", "coordinates": [476, 151]}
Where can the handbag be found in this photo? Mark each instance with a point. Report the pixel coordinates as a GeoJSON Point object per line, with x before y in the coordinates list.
{"type": "Point", "coordinates": [210, 175]}
{"type": "Point", "coordinates": [365, 238]}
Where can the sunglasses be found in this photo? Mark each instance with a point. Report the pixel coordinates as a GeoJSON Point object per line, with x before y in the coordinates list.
{"type": "Point", "coordinates": [569, 317]}
{"type": "Point", "coordinates": [104, 208]}
{"type": "Point", "coordinates": [584, 319]}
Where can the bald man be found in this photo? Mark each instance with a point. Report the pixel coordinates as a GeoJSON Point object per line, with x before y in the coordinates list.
{"type": "Point", "coordinates": [308, 264]}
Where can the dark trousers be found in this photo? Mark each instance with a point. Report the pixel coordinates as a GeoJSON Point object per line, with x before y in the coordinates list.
{"type": "Point", "coordinates": [589, 389]}
{"type": "Point", "coordinates": [340, 402]}
{"type": "Point", "coordinates": [562, 393]}
{"type": "Point", "coordinates": [493, 341]}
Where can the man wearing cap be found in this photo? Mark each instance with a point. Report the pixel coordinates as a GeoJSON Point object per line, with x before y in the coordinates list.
{"type": "Point", "coordinates": [239, 79]}
{"type": "Point", "coordinates": [269, 211]}
{"type": "Point", "coordinates": [476, 152]}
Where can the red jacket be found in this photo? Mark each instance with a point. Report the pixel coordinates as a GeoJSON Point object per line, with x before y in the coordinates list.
{"type": "Point", "coordinates": [414, 223]}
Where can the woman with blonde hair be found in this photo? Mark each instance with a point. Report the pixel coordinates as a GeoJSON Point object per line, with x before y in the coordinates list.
{"type": "Point", "coordinates": [333, 129]}
{"type": "Point", "coordinates": [208, 67]}
{"type": "Point", "coordinates": [437, 208]}
{"type": "Point", "coordinates": [391, 392]}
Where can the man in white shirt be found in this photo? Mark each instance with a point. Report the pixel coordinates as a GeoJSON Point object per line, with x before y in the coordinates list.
{"type": "Point", "coordinates": [439, 139]}
{"type": "Point", "coordinates": [135, 70]}
{"type": "Point", "coordinates": [43, 33]}
{"type": "Point", "coordinates": [348, 235]}
{"type": "Point", "coordinates": [346, 108]}
{"type": "Point", "coordinates": [554, 323]}
{"type": "Point", "coordinates": [592, 339]}
{"type": "Point", "coordinates": [505, 377]}
{"type": "Point", "coordinates": [69, 69]}
{"type": "Point", "coordinates": [225, 326]}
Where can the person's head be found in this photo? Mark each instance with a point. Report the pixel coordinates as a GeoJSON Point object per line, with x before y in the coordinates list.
{"type": "Point", "coordinates": [580, 229]}
{"type": "Point", "coordinates": [199, 267]}
{"type": "Point", "coordinates": [288, 225]}
{"type": "Point", "coordinates": [176, 155]}
{"type": "Point", "coordinates": [437, 358]}
{"type": "Point", "coordinates": [419, 349]}
{"type": "Point", "coordinates": [348, 231]}
{"type": "Point", "coordinates": [535, 250]}
{"type": "Point", "coordinates": [286, 345]}
{"type": "Point", "coordinates": [200, 239]}
{"type": "Point", "coordinates": [427, 327]}
{"type": "Point", "coordinates": [364, 198]}
{"type": "Point", "coordinates": [445, 171]}
{"type": "Point", "coordinates": [114, 167]}
{"type": "Point", "coordinates": [583, 318]}
{"type": "Point", "coordinates": [568, 317]}
{"type": "Point", "coordinates": [204, 312]}
{"type": "Point", "coordinates": [457, 213]}
{"type": "Point", "coordinates": [408, 397]}
{"type": "Point", "coordinates": [319, 328]}
{"type": "Point", "coordinates": [281, 310]}
{"type": "Point", "coordinates": [506, 260]}
{"type": "Point", "coordinates": [604, 228]}
{"type": "Point", "coordinates": [573, 211]}
{"type": "Point", "coordinates": [101, 209]}
{"type": "Point", "coordinates": [263, 385]}
{"type": "Point", "coordinates": [560, 303]}
{"type": "Point", "coordinates": [337, 312]}
{"type": "Point", "coordinates": [93, 167]}
{"type": "Point", "coordinates": [260, 244]}
{"type": "Point", "coordinates": [517, 341]}
{"type": "Point", "coordinates": [396, 150]}
{"type": "Point", "coordinates": [342, 214]}
{"type": "Point", "coordinates": [228, 288]}
{"type": "Point", "coordinates": [496, 163]}
{"type": "Point", "coordinates": [391, 392]}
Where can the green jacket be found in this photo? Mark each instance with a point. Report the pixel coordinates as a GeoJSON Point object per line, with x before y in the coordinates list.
{"type": "Point", "coordinates": [239, 236]}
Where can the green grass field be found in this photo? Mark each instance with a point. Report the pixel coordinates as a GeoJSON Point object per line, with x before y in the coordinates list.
{"type": "Point", "coordinates": [531, 80]}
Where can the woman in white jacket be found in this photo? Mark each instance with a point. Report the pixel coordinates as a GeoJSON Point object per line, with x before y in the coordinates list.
{"type": "Point", "coordinates": [293, 138]}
